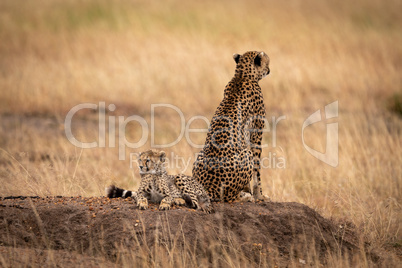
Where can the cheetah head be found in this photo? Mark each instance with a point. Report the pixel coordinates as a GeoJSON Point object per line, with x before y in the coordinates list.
{"type": "Point", "coordinates": [151, 162]}
{"type": "Point", "coordinates": [252, 64]}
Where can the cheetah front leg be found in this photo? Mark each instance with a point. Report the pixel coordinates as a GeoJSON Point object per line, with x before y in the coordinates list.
{"type": "Point", "coordinates": [167, 201]}
{"type": "Point", "coordinates": [176, 195]}
{"type": "Point", "coordinates": [255, 138]}
{"type": "Point", "coordinates": [143, 191]}
{"type": "Point", "coordinates": [257, 190]}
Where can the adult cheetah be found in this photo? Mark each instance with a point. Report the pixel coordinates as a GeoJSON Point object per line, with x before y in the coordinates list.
{"type": "Point", "coordinates": [231, 155]}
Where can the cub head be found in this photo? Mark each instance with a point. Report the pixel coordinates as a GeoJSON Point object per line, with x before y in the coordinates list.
{"type": "Point", "coordinates": [152, 162]}
{"type": "Point", "coordinates": [252, 64]}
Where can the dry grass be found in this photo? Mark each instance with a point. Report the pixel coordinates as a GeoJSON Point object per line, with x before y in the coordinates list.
{"type": "Point", "coordinates": [57, 54]}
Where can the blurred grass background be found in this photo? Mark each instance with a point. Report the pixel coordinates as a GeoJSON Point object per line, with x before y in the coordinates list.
{"type": "Point", "coordinates": [57, 54]}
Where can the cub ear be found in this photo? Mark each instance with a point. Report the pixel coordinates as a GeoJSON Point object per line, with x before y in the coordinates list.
{"type": "Point", "coordinates": [236, 57]}
{"type": "Point", "coordinates": [258, 58]}
{"type": "Point", "coordinates": [162, 156]}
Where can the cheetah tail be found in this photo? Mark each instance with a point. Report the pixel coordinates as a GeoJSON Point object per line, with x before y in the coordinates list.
{"type": "Point", "coordinates": [114, 192]}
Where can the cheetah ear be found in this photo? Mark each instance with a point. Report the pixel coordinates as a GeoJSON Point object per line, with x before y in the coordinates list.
{"type": "Point", "coordinates": [236, 57]}
{"type": "Point", "coordinates": [162, 156]}
{"type": "Point", "coordinates": [257, 59]}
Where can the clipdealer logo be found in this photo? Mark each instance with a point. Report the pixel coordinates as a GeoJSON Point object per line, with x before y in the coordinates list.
{"type": "Point", "coordinates": [331, 154]}
{"type": "Point", "coordinates": [115, 127]}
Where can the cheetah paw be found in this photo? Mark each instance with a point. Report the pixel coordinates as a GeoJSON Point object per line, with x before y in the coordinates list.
{"type": "Point", "coordinates": [164, 206]}
{"type": "Point", "coordinates": [246, 197]}
{"type": "Point", "coordinates": [143, 204]}
{"type": "Point", "coordinates": [179, 201]}
{"type": "Point", "coordinates": [209, 209]}
{"type": "Point", "coordinates": [262, 198]}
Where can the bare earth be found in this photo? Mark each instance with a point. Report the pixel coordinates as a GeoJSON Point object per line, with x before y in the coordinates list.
{"type": "Point", "coordinates": [76, 231]}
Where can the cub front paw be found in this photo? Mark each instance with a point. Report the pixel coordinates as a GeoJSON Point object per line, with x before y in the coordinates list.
{"type": "Point", "coordinates": [142, 204]}
{"type": "Point", "coordinates": [179, 201]}
{"type": "Point", "coordinates": [164, 206]}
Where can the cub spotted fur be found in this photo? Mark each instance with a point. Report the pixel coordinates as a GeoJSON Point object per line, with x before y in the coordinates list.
{"type": "Point", "coordinates": [157, 186]}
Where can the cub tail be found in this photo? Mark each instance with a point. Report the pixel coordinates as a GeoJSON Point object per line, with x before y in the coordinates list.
{"type": "Point", "coordinates": [114, 192]}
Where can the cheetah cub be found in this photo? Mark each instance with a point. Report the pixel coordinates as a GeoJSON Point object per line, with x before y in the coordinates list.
{"type": "Point", "coordinates": [157, 186]}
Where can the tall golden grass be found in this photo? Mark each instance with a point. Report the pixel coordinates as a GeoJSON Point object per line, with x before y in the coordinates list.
{"type": "Point", "coordinates": [58, 54]}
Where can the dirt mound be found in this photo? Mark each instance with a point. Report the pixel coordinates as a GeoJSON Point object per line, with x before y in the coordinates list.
{"type": "Point", "coordinates": [115, 231]}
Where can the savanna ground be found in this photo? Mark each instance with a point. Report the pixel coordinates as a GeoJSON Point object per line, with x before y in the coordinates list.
{"type": "Point", "coordinates": [55, 55]}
